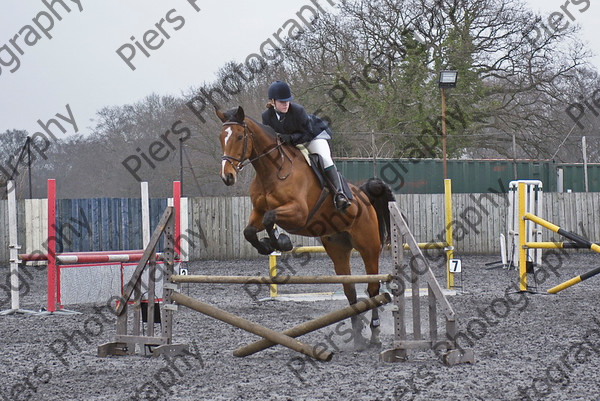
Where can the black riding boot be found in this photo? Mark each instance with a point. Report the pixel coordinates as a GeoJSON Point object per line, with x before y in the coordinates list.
{"type": "Point", "coordinates": [340, 200]}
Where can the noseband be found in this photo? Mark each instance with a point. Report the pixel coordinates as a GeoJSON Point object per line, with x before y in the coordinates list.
{"type": "Point", "coordinates": [243, 161]}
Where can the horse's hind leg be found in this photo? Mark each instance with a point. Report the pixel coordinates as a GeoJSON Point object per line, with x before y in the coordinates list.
{"type": "Point", "coordinates": [339, 249]}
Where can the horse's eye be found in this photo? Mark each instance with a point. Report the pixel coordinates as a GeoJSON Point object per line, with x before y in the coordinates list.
{"type": "Point", "coordinates": [240, 137]}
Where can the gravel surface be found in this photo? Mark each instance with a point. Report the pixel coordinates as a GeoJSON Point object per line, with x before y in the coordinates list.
{"type": "Point", "coordinates": [527, 346]}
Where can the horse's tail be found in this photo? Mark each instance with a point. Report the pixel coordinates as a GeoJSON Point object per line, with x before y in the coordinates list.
{"type": "Point", "coordinates": [380, 194]}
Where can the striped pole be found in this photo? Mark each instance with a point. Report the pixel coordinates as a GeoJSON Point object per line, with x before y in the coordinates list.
{"type": "Point", "coordinates": [567, 234]}
{"type": "Point", "coordinates": [582, 242]}
{"type": "Point", "coordinates": [574, 281]}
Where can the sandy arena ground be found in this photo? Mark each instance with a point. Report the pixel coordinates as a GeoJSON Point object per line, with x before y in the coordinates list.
{"type": "Point", "coordinates": [527, 346]}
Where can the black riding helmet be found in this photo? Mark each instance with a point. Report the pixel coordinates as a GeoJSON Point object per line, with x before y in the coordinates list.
{"type": "Point", "coordinates": [281, 91]}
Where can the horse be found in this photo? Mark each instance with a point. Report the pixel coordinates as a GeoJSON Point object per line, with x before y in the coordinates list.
{"type": "Point", "coordinates": [287, 193]}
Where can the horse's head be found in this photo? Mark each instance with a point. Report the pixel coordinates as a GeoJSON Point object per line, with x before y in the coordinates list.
{"type": "Point", "coordinates": [235, 143]}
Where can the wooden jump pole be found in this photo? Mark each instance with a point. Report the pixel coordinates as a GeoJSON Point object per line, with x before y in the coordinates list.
{"type": "Point", "coordinates": [318, 323]}
{"type": "Point", "coordinates": [254, 328]}
{"type": "Point", "coordinates": [344, 279]}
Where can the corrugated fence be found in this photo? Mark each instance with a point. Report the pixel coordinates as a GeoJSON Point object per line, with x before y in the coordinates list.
{"type": "Point", "coordinates": [216, 224]}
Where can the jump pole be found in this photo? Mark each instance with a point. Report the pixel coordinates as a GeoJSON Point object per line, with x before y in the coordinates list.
{"type": "Point", "coordinates": [344, 279]}
{"type": "Point", "coordinates": [254, 328]}
{"type": "Point", "coordinates": [574, 280]}
{"type": "Point", "coordinates": [584, 243]}
{"type": "Point", "coordinates": [318, 323]}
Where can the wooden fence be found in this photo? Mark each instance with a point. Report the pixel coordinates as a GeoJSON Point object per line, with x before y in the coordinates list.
{"type": "Point", "coordinates": [216, 224]}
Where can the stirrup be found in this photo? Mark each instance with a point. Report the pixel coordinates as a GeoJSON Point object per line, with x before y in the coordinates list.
{"type": "Point", "coordinates": [341, 201]}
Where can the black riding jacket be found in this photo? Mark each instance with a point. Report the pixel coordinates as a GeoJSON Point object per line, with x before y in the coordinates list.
{"type": "Point", "coordinates": [301, 126]}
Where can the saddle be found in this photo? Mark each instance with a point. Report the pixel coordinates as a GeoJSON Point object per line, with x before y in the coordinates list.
{"type": "Point", "coordinates": [316, 164]}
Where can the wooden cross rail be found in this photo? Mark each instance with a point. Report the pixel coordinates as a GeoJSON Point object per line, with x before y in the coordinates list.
{"type": "Point", "coordinates": [255, 328]}
{"type": "Point", "coordinates": [318, 323]}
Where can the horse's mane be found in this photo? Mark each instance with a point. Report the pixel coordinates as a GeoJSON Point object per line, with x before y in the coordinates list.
{"type": "Point", "coordinates": [231, 115]}
{"type": "Point", "coordinates": [267, 128]}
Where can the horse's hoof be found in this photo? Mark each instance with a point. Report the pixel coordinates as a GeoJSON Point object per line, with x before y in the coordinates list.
{"type": "Point", "coordinates": [284, 243]}
{"type": "Point", "coordinates": [360, 344]}
{"type": "Point", "coordinates": [264, 246]}
{"type": "Point", "coordinates": [375, 333]}
{"type": "Point", "coordinates": [375, 342]}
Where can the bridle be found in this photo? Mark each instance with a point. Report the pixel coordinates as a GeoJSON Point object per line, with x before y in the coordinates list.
{"type": "Point", "coordinates": [243, 161]}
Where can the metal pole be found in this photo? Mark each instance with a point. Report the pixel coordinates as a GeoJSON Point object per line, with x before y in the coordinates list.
{"type": "Point", "coordinates": [514, 145]}
{"type": "Point", "coordinates": [29, 165]}
{"type": "Point", "coordinates": [585, 169]}
{"type": "Point", "coordinates": [181, 163]}
{"type": "Point", "coordinates": [444, 133]}
{"type": "Point", "coordinates": [374, 153]}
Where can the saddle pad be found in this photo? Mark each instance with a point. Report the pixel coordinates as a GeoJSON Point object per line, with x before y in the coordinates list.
{"type": "Point", "coordinates": [305, 153]}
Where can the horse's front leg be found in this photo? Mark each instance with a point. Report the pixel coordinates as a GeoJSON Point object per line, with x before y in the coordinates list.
{"type": "Point", "coordinates": [255, 225]}
{"type": "Point", "coordinates": [292, 216]}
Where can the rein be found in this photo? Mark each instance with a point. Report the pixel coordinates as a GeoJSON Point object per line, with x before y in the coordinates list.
{"type": "Point", "coordinates": [243, 161]}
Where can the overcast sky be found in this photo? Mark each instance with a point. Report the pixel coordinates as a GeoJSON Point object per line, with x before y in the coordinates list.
{"type": "Point", "coordinates": [79, 65]}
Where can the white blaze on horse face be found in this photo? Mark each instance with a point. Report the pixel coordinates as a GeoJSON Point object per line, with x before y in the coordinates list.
{"type": "Point", "coordinates": [223, 163]}
{"type": "Point", "coordinates": [229, 133]}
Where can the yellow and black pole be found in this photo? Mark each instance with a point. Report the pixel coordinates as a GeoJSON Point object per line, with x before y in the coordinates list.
{"type": "Point", "coordinates": [584, 243]}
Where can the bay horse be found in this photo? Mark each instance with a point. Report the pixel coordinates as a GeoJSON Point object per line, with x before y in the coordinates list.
{"type": "Point", "coordinates": [286, 192]}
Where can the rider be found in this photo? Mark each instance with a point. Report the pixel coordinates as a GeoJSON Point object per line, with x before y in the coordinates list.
{"type": "Point", "coordinates": [295, 126]}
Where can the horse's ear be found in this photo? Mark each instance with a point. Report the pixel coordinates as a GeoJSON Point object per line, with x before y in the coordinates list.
{"type": "Point", "coordinates": [239, 114]}
{"type": "Point", "coordinates": [221, 115]}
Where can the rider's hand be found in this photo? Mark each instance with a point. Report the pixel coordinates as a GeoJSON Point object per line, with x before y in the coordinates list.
{"type": "Point", "coordinates": [286, 138]}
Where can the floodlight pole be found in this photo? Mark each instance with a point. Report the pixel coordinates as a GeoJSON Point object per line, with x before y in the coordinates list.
{"type": "Point", "coordinates": [444, 133]}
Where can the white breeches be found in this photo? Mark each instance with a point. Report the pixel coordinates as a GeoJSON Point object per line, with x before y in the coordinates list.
{"type": "Point", "coordinates": [321, 147]}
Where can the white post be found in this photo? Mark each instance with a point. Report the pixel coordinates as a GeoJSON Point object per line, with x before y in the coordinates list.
{"type": "Point", "coordinates": [13, 246]}
{"type": "Point", "coordinates": [559, 180]}
{"type": "Point", "coordinates": [145, 215]}
{"type": "Point", "coordinates": [184, 245]}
